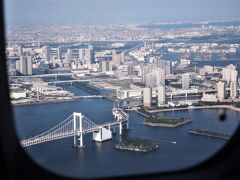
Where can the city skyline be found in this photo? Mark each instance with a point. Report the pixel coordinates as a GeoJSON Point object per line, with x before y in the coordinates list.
{"type": "Point", "coordinates": [106, 11]}
{"type": "Point", "coordinates": [107, 77]}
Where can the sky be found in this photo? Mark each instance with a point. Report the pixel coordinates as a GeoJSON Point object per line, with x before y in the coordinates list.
{"type": "Point", "coordinates": [92, 11]}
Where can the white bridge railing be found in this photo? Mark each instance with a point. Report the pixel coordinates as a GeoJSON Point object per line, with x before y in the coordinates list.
{"type": "Point", "coordinates": [77, 125]}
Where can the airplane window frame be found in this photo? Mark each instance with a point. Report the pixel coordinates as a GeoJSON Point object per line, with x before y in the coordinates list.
{"type": "Point", "coordinates": [16, 164]}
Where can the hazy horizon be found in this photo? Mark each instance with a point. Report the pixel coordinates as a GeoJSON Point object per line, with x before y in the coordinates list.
{"type": "Point", "coordinates": [83, 11]}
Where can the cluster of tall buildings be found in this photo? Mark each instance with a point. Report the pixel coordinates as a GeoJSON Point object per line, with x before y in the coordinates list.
{"type": "Point", "coordinates": [86, 56]}
{"type": "Point", "coordinates": [105, 66]}
{"type": "Point", "coordinates": [154, 78]}
{"type": "Point", "coordinates": [185, 81]}
{"type": "Point", "coordinates": [117, 58]}
{"type": "Point", "coordinates": [24, 65]}
{"type": "Point", "coordinates": [230, 81]}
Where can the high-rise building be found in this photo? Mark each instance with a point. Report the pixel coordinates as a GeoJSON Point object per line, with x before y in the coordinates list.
{"type": "Point", "coordinates": [122, 57]}
{"type": "Point", "coordinates": [144, 71]}
{"type": "Point", "coordinates": [130, 70]}
{"type": "Point", "coordinates": [118, 58]}
{"type": "Point", "coordinates": [161, 95]}
{"type": "Point", "coordinates": [221, 90]}
{"type": "Point", "coordinates": [234, 75]}
{"type": "Point", "coordinates": [160, 75]}
{"type": "Point", "coordinates": [185, 81]}
{"type": "Point", "coordinates": [231, 66]}
{"type": "Point", "coordinates": [81, 54]}
{"type": "Point", "coordinates": [103, 66]}
{"type": "Point", "coordinates": [230, 73]}
{"type": "Point", "coordinates": [147, 97]}
{"type": "Point", "coordinates": [20, 50]}
{"type": "Point", "coordinates": [109, 66]}
{"type": "Point", "coordinates": [89, 55]}
{"type": "Point", "coordinates": [67, 58]}
{"type": "Point", "coordinates": [233, 90]}
{"type": "Point", "coordinates": [151, 80]}
{"type": "Point", "coordinates": [47, 53]}
{"type": "Point", "coordinates": [59, 53]}
{"type": "Point", "coordinates": [24, 65]}
{"type": "Point", "coordinates": [168, 67]}
{"type": "Point", "coordinates": [70, 54]}
{"type": "Point", "coordinates": [159, 63]}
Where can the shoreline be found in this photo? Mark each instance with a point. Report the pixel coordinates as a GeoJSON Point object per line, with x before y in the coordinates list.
{"type": "Point", "coordinates": [166, 125]}
{"type": "Point", "coordinates": [199, 132]}
{"type": "Point", "coordinates": [53, 101]}
{"type": "Point", "coordinates": [198, 107]}
{"type": "Point", "coordinates": [145, 115]}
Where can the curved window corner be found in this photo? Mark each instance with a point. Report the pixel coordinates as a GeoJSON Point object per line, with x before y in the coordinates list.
{"type": "Point", "coordinates": [123, 88]}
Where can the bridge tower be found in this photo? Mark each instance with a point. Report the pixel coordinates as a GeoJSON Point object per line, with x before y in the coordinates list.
{"type": "Point", "coordinates": [127, 121]}
{"type": "Point", "coordinates": [120, 128]}
{"type": "Point", "coordinates": [78, 125]}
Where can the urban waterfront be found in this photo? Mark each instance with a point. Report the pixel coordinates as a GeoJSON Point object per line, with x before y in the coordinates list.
{"type": "Point", "coordinates": [119, 88]}
{"type": "Point", "coordinates": [103, 159]}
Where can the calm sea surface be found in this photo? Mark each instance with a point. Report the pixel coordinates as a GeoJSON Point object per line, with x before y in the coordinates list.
{"type": "Point", "coordinates": [103, 159]}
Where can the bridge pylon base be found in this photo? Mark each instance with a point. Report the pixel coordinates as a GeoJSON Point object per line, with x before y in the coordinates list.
{"type": "Point", "coordinates": [102, 135]}
{"type": "Point", "coordinates": [78, 146]}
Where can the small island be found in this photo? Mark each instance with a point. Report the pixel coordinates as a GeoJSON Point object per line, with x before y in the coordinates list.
{"type": "Point", "coordinates": [136, 144]}
{"type": "Point", "coordinates": [205, 132]}
{"type": "Point", "coordinates": [166, 121]}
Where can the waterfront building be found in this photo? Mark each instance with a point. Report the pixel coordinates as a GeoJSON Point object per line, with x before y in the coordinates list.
{"type": "Point", "coordinates": [233, 90]}
{"type": "Point", "coordinates": [147, 97]}
{"type": "Point", "coordinates": [185, 81]}
{"type": "Point", "coordinates": [161, 95]}
{"type": "Point", "coordinates": [209, 98]}
{"type": "Point", "coordinates": [46, 89]}
{"type": "Point", "coordinates": [18, 93]}
{"type": "Point", "coordinates": [221, 90]}
{"type": "Point", "coordinates": [128, 93]}
{"type": "Point", "coordinates": [230, 73]}
{"type": "Point", "coordinates": [47, 53]}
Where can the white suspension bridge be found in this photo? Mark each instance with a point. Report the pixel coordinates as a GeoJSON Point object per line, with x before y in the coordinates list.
{"type": "Point", "coordinates": [77, 125]}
